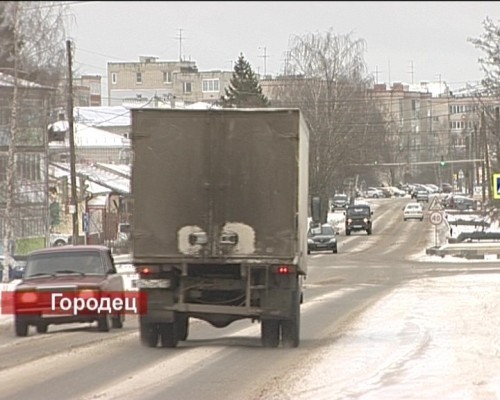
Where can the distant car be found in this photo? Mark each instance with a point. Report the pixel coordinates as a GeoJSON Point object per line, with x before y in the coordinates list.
{"type": "Point", "coordinates": [386, 191]}
{"type": "Point", "coordinates": [422, 195]}
{"type": "Point", "coordinates": [83, 272]}
{"type": "Point", "coordinates": [397, 192]}
{"type": "Point", "coordinates": [446, 188]}
{"type": "Point", "coordinates": [358, 218]}
{"type": "Point", "coordinates": [374, 193]}
{"type": "Point", "coordinates": [413, 211]}
{"type": "Point", "coordinates": [457, 202]}
{"type": "Point", "coordinates": [340, 201]}
{"type": "Point", "coordinates": [60, 239]}
{"type": "Point", "coordinates": [16, 269]}
{"type": "Point", "coordinates": [322, 238]}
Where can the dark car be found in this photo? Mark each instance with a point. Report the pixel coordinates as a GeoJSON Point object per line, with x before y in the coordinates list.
{"type": "Point", "coordinates": [16, 269]}
{"type": "Point", "coordinates": [457, 202]}
{"type": "Point", "coordinates": [75, 274]}
{"type": "Point", "coordinates": [321, 238]}
{"type": "Point", "coordinates": [446, 188]}
{"type": "Point", "coordinates": [340, 201]}
{"type": "Point", "coordinates": [422, 195]}
{"type": "Point", "coordinates": [358, 218]}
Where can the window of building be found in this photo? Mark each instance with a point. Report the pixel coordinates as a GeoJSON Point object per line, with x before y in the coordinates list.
{"type": "Point", "coordinates": [187, 87]}
{"type": "Point", "coordinates": [138, 77]}
{"type": "Point", "coordinates": [114, 78]}
{"type": "Point", "coordinates": [95, 88]}
{"type": "Point", "coordinates": [167, 77]}
{"type": "Point", "coordinates": [210, 85]}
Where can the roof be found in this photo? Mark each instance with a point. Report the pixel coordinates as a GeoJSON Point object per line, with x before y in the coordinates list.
{"type": "Point", "coordinates": [88, 136]}
{"type": "Point", "coordinates": [8, 81]}
{"type": "Point", "coordinates": [70, 248]}
{"type": "Point", "coordinates": [101, 178]}
{"type": "Point", "coordinates": [102, 116]}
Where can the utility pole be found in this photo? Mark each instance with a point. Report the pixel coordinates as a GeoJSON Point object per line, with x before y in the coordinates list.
{"type": "Point", "coordinates": [265, 56]}
{"type": "Point", "coordinates": [179, 36]}
{"type": "Point", "coordinates": [74, 197]}
{"type": "Point", "coordinates": [411, 71]}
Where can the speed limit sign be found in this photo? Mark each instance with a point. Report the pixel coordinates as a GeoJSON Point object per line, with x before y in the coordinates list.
{"type": "Point", "coordinates": [436, 218]}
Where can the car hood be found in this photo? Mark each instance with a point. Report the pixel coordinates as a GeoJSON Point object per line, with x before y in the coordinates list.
{"type": "Point", "coordinates": [69, 281]}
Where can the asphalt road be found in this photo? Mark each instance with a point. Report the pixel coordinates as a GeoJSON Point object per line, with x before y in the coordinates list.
{"type": "Point", "coordinates": [78, 362]}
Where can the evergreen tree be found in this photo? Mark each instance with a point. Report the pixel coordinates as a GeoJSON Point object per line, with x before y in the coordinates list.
{"type": "Point", "coordinates": [244, 89]}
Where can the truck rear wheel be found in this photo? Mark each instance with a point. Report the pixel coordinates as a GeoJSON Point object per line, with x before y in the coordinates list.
{"type": "Point", "coordinates": [182, 326]}
{"type": "Point", "coordinates": [290, 328]}
{"type": "Point", "coordinates": [168, 334]}
{"type": "Point", "coordinates": [149, 334]}
{"type": "Point", "coordinates": [270, 332]}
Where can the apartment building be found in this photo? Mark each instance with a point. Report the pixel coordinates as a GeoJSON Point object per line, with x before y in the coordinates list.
{"type": "Point", "coordinates": [155, 83]}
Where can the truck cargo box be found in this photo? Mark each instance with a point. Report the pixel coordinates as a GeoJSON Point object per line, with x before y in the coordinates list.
{"type": "Point", "coordinates": [219, 184]}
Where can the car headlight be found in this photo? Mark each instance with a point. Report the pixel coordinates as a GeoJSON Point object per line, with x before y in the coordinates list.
{"type": "Point", "coordinates": [349, 220]}
{"type": "Point", "coordinates": [333, 240]}
{"type": "Point", "coordinates": [365, 220]}
{"type": "Point", "coordinates": [310, 241]}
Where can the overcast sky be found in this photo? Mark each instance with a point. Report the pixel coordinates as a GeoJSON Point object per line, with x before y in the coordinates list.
{"type": "Point", "coordinates": [405, 40]}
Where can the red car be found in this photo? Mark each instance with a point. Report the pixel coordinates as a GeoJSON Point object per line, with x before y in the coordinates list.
{"type": "Point", "coordinates": [68, 284]}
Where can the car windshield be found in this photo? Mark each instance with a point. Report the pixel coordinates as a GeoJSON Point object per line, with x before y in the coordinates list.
{"type": "Point", "coordinates": [340, 197]}
{"type": "Point", "coordinates": [352, 211]}
{"type": "Point", "coordinates": [413, 207]}
{"type": "Point", "coordinates": [64, 263]}
{"type": "Point", "coordinates": [322, 230]}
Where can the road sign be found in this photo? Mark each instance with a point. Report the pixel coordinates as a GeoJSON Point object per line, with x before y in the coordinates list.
{"type": "Point", "coordinates": [435, 206]}
{"type": "Point", "coordinates": [496, 186]}
{"type": "Point", "coordinates": [436, 218]}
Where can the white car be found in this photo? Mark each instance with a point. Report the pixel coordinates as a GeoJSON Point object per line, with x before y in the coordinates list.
{"type": "Point", "coordinates": [413, 211]}
{"type": "Point", "coordinates": [374, 193]}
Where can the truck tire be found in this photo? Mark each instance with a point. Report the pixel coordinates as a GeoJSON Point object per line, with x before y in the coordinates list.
{"type": "Point", "coordinates": [182, 326]}
{"type": "Point", "coordinates": [149, 334]}
{"type": "Point", "coordinates": [270, 332]}
{"type": "Point", "coordinates": [168, 334]}
{"type": "Point", "coordinates": [117, 321]}
{"type": "Point", "coordinates": [290, 328]}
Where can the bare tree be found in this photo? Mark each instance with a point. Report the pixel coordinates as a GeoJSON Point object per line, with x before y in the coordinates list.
{"type": "Point", "coordinates": [31, 50]}
{"type": "Point", "coordinates": [489, 44]}
{"type": "Point", "coordinates": [330, 86]}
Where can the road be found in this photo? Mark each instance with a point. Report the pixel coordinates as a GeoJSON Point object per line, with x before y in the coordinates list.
{"type": "Point", "coordinates": [78, 362]}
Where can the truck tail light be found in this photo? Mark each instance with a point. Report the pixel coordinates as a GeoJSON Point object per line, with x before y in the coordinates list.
{"type": "Point", "coordinates": [148, 269]}
{"type": "Point", "coordinates": [284, 269]}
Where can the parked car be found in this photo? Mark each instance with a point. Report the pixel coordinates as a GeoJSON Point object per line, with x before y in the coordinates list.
{"type": "Point", "coordinates": [340, 201]}
{"type": "Point", "coordinates": [83, 272]}
{"type": "Point", "coordinates": [446, 188]}
{"type": "Point", "coordinates": [358, 218]}
{"type": "Point", "coordinates": [458, 202]}
{"type": "Point", "coordinates": [413, 211]}
{"type": "Point", "coordinates": [374, 193]}
{"type": "Point", "coordinates": [60, 239]}
{"type": "Point", "coordinates": [397, 192]}
{"type": "Point", "coordinates": [16, 269]}
{"type": "Point", "coordinates": [322, 238]}
{"type": "Point", "coordinates": [386, 191]}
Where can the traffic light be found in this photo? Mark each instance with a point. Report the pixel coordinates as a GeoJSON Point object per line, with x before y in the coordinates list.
{"type": "Point", "coordinates": [442, 163]}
